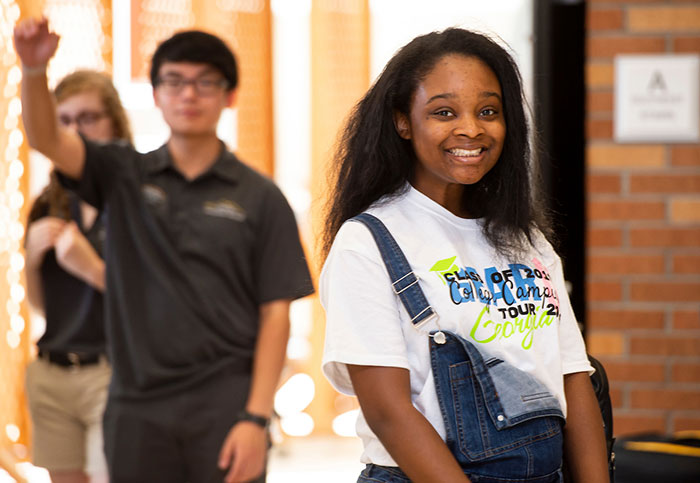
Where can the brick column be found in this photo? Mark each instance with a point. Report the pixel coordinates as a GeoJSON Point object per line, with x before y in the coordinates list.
{"type": "Point", "coordinates": [643, 232]}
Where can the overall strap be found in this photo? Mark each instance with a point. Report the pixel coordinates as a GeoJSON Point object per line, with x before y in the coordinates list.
{"type": "Point", "coordinates": [404, 281]}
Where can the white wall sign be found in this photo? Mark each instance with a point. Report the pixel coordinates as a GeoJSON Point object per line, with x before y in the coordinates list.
{"type": "Point", "coordinates": [657, 98]}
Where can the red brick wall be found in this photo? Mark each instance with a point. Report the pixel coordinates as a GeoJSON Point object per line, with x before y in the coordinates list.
{"type": "Point", "coordinates": [643, 232]}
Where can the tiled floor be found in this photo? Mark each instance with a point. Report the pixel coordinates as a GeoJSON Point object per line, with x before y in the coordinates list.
{"type": "Point", "coordinates": [295, 460]}
{"type": "Point", "coordinates": [316, 460]}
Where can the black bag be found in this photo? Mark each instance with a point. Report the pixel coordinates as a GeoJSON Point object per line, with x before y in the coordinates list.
{"type": "Point", "coordinates": [648, 458]}
{"type": "Point", "coordinates": [599, 379]}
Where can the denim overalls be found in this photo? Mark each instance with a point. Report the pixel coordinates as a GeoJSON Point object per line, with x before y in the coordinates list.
{"type": "Point", "coordinates": [502, 424]}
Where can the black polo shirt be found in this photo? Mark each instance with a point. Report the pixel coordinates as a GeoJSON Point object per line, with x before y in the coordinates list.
{"type": "Point", "coordinates": [188, 264]}
{"type": "Point", "coordinates": [72, 308]}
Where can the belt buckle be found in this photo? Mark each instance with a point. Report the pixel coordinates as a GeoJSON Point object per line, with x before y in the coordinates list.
{"type": "Point", "coordinates": [74, 360]}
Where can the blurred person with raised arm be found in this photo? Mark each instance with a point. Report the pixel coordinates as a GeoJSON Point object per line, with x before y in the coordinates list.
{"type": "Point", "coordinates": [203, 261]}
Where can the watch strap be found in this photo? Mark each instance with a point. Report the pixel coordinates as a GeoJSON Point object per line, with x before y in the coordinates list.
{"type": "Point", "coordinates": [261, 421]}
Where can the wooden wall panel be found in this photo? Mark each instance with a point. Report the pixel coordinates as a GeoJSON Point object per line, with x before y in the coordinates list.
{"type": "Point", "coordinates": [339, 78]}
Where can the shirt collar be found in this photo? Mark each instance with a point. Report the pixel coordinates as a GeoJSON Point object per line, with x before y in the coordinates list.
{"type": "Point", "coordinates": [226, 166]}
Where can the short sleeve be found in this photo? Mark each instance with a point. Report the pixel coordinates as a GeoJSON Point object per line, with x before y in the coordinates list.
{"type": "Point", "coordinates": [280, 264]}
{"type": "Point", "coordinates": [571, 345]}
{"type": "Point", "coordinates": [105, 164]}
{"type": "Point", "coordinates": [363, 325]}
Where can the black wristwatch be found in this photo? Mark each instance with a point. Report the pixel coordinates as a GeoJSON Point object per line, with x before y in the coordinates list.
{"type": "Point", "coordinates": [253, 418]}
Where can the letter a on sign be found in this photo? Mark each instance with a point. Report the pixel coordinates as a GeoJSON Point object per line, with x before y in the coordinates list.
{"type": "Point", "coordinates": [657, 82]}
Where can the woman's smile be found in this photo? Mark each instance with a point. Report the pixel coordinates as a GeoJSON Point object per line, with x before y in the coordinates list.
{"type": "Point", "coordinates": [457, 127]}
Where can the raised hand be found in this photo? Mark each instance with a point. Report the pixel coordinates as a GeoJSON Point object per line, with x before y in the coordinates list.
{"type": "Point", "coordinates": [34, 44]}
{"type": "Point", "coordinates": [41, 237]}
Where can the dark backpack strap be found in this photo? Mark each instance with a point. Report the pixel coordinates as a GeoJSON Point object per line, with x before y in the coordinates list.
{"type": "Point", "coordinates": [601, 387]}
{"type": "Point", "coordinates": [404, 281]}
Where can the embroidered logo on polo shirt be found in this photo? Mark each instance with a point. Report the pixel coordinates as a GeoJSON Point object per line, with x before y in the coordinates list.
{"type": "Point", "coordinates": [225, 209]}
{"type": "Point", "coordinates": [154, 194]}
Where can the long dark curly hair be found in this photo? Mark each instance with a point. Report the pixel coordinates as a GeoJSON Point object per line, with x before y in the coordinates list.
{"type": "Point", "coordinates": [373, 161]}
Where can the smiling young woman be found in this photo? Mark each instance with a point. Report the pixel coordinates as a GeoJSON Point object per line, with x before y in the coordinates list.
{"type": "Point", "coordinates": [439, 273]}
{"type": "Point", "coordinates": [457, 128]}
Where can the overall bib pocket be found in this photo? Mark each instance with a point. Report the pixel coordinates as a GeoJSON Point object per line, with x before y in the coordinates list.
{"type": "Point", "coordinates": [500, 421]}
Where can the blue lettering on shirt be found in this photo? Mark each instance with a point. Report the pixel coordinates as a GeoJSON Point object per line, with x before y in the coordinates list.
{"type": "Point", "coordinates": [525, 282]}
{"type": "Point", "coordinates": [498, 286]}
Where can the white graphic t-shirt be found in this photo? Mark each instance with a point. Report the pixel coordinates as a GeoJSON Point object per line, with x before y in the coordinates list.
{"type": "Point", "coordinates": [517, 310]}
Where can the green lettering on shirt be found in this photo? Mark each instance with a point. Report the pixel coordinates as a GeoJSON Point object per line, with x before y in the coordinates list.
{"type": "Point", "coordinates": [520, 326]}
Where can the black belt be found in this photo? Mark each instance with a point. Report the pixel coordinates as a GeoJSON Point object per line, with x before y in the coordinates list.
{"type": "Point", "coordinates": [70, 359]}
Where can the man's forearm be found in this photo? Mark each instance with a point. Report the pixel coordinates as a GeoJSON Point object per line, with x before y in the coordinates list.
{"type": "Point", "coordinates": [62, 146]}
{"type": "Point", "coordinates": [38, 110]}
{"type": "Point", "coordinates": [270, 353]}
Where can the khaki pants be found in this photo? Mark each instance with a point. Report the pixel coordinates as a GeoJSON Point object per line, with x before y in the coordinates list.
{"type": "Point", "coordinates": [66, 405]}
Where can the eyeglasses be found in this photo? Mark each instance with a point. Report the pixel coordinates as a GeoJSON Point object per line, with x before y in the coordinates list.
{"type": "Point", "coordinates": [82, 119]}
{"type": "Point", "coordinates": [204, 86]}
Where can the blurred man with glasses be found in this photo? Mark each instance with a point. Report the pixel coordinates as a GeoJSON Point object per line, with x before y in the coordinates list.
{"type": "Point", "coordinates": [203, 260]}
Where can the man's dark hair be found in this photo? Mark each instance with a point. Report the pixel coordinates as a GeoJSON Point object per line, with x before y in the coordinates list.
{"type": "Point", "coordinates": [373, 161]}
{"type": "Point", "coordinates": [197, 47]}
